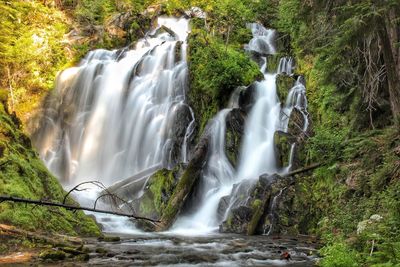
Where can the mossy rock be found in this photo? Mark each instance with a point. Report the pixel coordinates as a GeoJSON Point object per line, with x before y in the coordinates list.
{"type": "Point", "coordinates": [23, 174]}
{"type": "Point", "coordinates": [158, 190]}
{"type": "Point", "coordinates": [53, 255]}
{"type": "Point", "coordinates": [283, 85]}
{"type": "Point", "coordinates": [185, 185]}
{"type": "Point", "coordinates": [235, 121]}
{"type": "Point", "coordinates": [283, 144]}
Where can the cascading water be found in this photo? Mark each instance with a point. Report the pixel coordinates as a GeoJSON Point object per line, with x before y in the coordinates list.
{"type": "Point", "coordinates": [216, 182]}
{"type": "Point", "coordinates": [120, 114]}
{"type": "Point", "coordinates": [257, 155]}
{"type": "Point", "coordinates": [114, 115]}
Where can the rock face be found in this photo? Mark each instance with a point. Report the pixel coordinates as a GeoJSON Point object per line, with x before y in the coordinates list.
{"type": "Point", "coordinates": [283, 84]}
{"type": "Point", "coordinates": [157, 191]}
{"type": "Point", "coordinates": [283, 143]}
{"type": "Point", "coordinates": [167, 190]}
{"type": "Point", "coordinates": [235, 121]}
{"type": "Point", "coordinates": [250, 201]}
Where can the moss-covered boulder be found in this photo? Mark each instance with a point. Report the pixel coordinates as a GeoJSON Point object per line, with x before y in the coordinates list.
{"type": "Point", "coordinates": [158, 190]}
{"type": "Point", "coordinates": [185, 185]}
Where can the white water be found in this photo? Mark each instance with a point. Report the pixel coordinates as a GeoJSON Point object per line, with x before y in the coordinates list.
{"type": "Point", "coordinates": [257, 155]}
{"type": "Point", "coordinates": [114, 115]}
{"type": "Point", "coordinates": [216, 182]}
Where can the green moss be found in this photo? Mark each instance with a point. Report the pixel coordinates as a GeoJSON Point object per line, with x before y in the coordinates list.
{"type": "Point", "coordinates": [258, 210]}
{"type": "Point", "coordinates": [24, 175]}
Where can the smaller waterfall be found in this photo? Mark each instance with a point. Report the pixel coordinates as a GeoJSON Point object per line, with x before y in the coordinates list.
{"type": "Point", "coordinates": [285, 66]}
{"type": "Point", "coordinates": [216, 182]}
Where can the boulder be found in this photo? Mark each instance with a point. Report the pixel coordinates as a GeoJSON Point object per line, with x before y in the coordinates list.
{"type": "Point", "coordinates": [183, 117]}
{"type": "Point", "coordinates": [249, 201]}
{"type": "Point", "coordinates": [156, 193]}
{"type": "Point", "coordinates": [247, 98]}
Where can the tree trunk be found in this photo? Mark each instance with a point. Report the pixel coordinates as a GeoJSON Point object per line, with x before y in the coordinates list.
{"type": "Point", "coordinates": [391, 69]}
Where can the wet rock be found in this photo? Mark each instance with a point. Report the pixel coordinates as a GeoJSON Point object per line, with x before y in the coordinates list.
{"type": "Point", "coordinates": [157, 191]}
{"type": "Point", "coordinates": [185, 185]}
{"type": "Point", "coordinates": [235, 121]}
{"type": "Point", "coordinates": [247, 98]}
{"type": "Point", "coordinates": [283, 85]}
{"type": "Point", "coordinates": [296, 122]}
{"type": "Point", "coordinates": [163, 29]}
{"type": "Point", "coordinates": [183, 117]}
{"type": "Point", "coordinates": [249, 200]}
{"type": "Point", "coordinates": [259, 205]}
{"type": "Point", "coordinates": [109, 238]}
{"type": "Point", "coordinates": [283, 145]}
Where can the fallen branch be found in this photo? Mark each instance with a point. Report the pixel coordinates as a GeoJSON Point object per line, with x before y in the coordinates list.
{"type": "Point", "coordinates": [70, 207]}
{"type": "Point", "coordinates": [304, 169]}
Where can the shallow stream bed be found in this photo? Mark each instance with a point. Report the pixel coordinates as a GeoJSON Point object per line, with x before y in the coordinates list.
{"type": "Point", "coordinates": [215, 250]}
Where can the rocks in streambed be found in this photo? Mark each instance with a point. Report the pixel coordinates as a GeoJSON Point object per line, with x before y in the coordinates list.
{"type": "Point", "coordinates": [250, 203]}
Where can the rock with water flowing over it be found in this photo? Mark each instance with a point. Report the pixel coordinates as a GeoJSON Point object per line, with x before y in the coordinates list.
{"type": "Point", "coordinates": [247, 98]}
{"type": "Point", "coordinates": [234, 132]}
{"type": "Point", "coordinates": [185, 185]}
{"type": "Point", "coordinates": [283, 144]}
{"type": "Point", "coordinates": [249, 203]}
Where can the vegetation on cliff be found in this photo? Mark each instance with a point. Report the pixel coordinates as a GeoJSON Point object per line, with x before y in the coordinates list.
{"type": "Point", "coordinates": [347, 50]}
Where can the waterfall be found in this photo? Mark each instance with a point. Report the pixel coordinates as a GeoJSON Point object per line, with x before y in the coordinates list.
{"type": "Point", "coordinates": [116, 114]}
{"type": "Point", "coordinates": [216, 182]}
{"type": "Point", "coordinates": [257, 154]}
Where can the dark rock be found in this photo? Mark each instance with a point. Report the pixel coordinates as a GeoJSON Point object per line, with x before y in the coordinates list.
{"type": "Point", "coordinates": [296, 122]}
{"type": "Point", "coordinates": [247, 97]}
{"type": "Point", "coordinates": [251, 202]}
{"type": "Point", "coordinates": [283, 145]}
{"type": "Point", "coordinates": [185, 185]}
{"type": "Point", "coordinates": [235, 121]}
{"type": "Point", "coordinates": [109, 238]}
{"type": "Point", "coordinates": [183, 117]}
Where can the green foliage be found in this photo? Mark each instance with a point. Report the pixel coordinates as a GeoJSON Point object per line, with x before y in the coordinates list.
{"type": "Point", "coordinates": [338, 255]}
{"type": "Point", "coordinates": [215, 71]}
{"type": "Point", "coordinates": [31, 51]}
{"type": "Point", "coordinates": [94, 12]}
{"type": "Point", "coordinates": [24, 175]}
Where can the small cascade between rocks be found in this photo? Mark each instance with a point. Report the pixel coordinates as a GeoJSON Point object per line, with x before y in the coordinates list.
{"type": "Point", "coordinates": [225, 188]}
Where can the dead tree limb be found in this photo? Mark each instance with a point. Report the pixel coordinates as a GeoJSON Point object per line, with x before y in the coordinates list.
{"type": "Point", "coordinates": [70, 207]}
{"type": "Point", "coordinates": [304, 169]}
{"type": "Point", "coordinates": [75, 188]}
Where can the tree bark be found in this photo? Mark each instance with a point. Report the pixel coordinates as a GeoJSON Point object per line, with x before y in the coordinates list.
{"type": "Point", "coordinates": [391, 69]}
{"type": "Point", "coordinates": [69, 207]}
